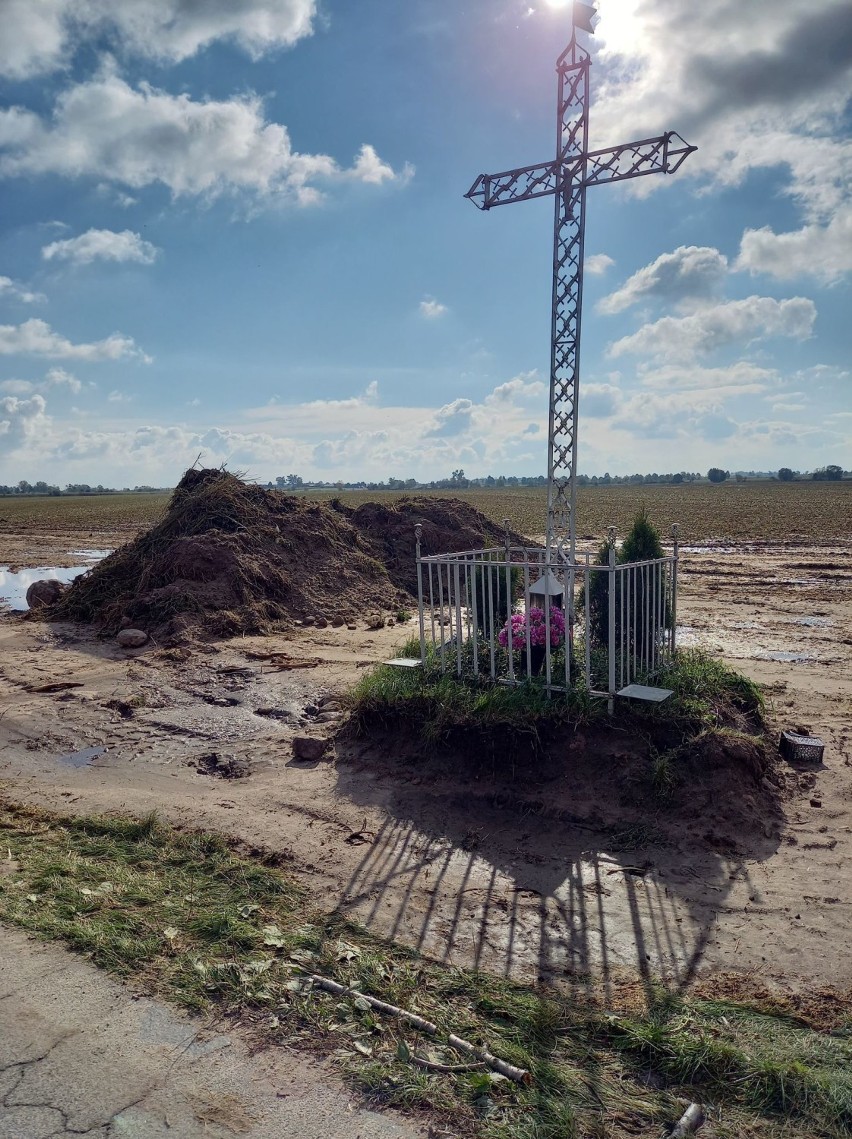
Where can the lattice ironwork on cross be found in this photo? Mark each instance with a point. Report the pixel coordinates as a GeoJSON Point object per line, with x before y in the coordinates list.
{"type": "Point", "coordinates": [566, 178]}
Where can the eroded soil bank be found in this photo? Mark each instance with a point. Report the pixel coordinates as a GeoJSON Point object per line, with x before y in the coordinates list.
{"type": "Point", "coordinates": [549, 880]}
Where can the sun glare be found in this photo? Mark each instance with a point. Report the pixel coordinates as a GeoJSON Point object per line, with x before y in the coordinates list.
{"type": "Point", "coordinates": [617, 26]}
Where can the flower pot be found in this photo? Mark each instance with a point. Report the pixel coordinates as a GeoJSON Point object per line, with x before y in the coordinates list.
{"type": "Point", "coordinates": [537, 658]}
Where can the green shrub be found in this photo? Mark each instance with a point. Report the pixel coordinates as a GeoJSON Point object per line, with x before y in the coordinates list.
{"type": "Point", "coordinates": [641, 544]}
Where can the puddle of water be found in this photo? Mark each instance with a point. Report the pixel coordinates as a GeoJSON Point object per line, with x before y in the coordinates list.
{"type": "Point", "coordinates": [814, 622]}
{"type": "Point", "coordinates": [712, 550]}
{"type": "Point", "coordinates": [14, 586]}
{"type": "Point", "coordinates": [90, 555]}
{"type": "Point", "coordinates": [83, 757]}
{"type": "Point", "coordinates": [786, 657]}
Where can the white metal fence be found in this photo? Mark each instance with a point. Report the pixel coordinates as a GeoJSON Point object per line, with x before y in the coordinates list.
{"type": "Point", "coordinates": [513, 615]}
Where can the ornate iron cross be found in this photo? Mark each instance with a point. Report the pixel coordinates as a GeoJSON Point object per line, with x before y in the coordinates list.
{"type": "Point", "coordinates": [567, 177]}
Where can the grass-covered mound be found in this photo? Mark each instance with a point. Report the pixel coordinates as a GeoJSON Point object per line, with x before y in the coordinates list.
{"type": "Point", "coordinates": [704, 751]}
{"type": "Point", "coordinates": [229, 557]}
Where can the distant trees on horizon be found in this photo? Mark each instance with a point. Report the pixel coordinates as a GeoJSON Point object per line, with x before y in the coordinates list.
{"type": "Point", "coordinates": [457, 481]}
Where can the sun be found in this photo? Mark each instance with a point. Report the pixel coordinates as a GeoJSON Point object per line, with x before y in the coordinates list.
{"type": "Point", "coordinates": [557, 3]}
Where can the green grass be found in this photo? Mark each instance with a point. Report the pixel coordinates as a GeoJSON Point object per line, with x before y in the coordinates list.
{"type": "Point", "coordinates": [706, 689]}
{"type": "Point", "coordinates": [191, 920]}
{"type": "Point", "coordinates": [439, 706]}
{"type": "Point", "coordinates": [442, 708]}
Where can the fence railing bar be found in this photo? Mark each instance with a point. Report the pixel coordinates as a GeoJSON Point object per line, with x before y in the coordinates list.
{"type": "Point", "coordinates": [492, 619]}
{"type": "Point", "coordinates": [458, 621]}
{"type": "Point", "coordinates": [527, 640]}
{"type": "Point", "coordinates": [474, 611]}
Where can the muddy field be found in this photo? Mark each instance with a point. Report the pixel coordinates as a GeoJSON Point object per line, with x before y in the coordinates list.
{"type": "Point", "coordinates": [529, 881]}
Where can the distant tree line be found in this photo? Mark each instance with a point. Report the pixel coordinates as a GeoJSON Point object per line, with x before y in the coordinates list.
{"type": "Point", "coordinates": [72, 488]}
{"type": "Point", "coordinates": [459, 481]}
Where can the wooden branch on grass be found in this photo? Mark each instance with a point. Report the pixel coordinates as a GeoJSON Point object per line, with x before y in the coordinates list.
{"type": "Point", "coordinates": [519, 1075]}
{"type": "Point", "coordinates": [434, 1066]}
{"type": "Point", "coordinates": [481, 1055]}
{"type": "Point", "coordinates": [689, 1122]}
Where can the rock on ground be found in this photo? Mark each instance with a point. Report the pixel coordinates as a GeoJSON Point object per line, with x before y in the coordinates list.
{"type": "Point", "coordinates": [44, 592]}
{"type": "Point", "coordinates": [309, 748]}
{"type": "Point", "coordinates": [131, 638]}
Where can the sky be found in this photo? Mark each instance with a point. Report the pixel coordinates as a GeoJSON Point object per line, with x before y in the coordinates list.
{"type": "Point", "coordinates": [235, 230]}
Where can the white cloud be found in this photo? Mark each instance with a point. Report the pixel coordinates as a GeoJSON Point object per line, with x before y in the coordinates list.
{"type": "Point", "coordinates": [103, 245]}
{"type": "Point", "coordinates": [58, 377]}
{"type": "Point", "coordinates": [11, 289]}
{"type": "Point", "coordinates": [17, 387]}
{"type": "Point", "coordinates": [371, 169]}
{"type": "Point", "coordinates": [359, 437]}
{"type": "Point", "coordinates": [789, 408]}
{"type": "Point", "coordinates": [753, 318]}
{"type": "Point", "coordinates": [597, 264]}
{"type": "Point", "coordinates": [40, 35]}
{"type": "Point", "coordinates": [452, 418]}
{"type": "Point", "coordinates": [33, 39]}
{"type": "Point", "coordinates": [742, 378]}
{"type": "Point", "coordinates": [107, 130]}
{"type": "Point", "coordinates": [690, 273]}
{"type": "Point", "coordinates": [599, 400]}
{"type": "Point", "coordinates": [21, 419]}
{"type": "Point", "coordinates": [37, 338]}
{"type": "Point", "coordinates": [824, 252]}
{"type": "Point", "coordinates": [119, 397]}
{"type": "Point", "coordinates": [752, 85]}
{"type": "Point", "coordinates": [54, 378]}
{"type": "Point", "coordinates": [692, 415]}
{"type": "Point", "coordinates": [432, 309]}
{"type": "Point", "coordinates": [176, 29]}
{"type": "Point", "coordinates": [521, 389]}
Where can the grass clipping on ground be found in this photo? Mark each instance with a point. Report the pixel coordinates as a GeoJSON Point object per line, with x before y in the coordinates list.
{"type": "Point", "coordinates": [190, 919]}
{"type": "Point", "coordinates": [229, 557]}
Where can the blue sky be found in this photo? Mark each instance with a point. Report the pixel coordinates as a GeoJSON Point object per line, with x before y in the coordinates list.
{"type": "Point", "coordinates": [236, 229]}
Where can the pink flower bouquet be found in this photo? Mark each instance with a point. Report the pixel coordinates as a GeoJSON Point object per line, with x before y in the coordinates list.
{"type": "Point", "coordinates": [537, 621]}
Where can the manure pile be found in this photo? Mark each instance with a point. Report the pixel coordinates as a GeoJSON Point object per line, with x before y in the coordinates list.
{"type": "Point", "coordinates": [230, 558]}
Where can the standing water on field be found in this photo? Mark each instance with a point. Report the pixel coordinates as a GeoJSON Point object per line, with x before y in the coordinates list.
{"type": "Point", "coordinates": [15, 583]}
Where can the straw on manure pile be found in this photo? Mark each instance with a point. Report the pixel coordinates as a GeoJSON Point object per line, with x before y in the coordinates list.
{"type": "Point", "coordinates": [229, 557]}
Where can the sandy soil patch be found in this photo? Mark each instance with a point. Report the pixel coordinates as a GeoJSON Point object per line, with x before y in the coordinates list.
{"type": "Point", "coordinates": [525, 882]}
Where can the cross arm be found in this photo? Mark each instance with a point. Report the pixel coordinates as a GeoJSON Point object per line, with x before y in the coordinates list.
{"type": "Point", "coordinates": [661, 155]}
{"type": "Point", "coordinates": [514, 185]}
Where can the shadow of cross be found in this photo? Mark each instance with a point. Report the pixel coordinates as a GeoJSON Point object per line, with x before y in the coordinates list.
{"type": "Point", "coordinates": [531, 897]}
{"type": "Point", "coordinates": [566, 178]}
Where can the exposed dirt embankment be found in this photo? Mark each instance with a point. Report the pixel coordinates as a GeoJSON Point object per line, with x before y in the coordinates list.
{"type": "Point", "coordinates": [230, 558]}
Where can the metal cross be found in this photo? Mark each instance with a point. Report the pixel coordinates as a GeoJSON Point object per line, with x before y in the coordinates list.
{"type": "Point", "coordinates": [567, 177]}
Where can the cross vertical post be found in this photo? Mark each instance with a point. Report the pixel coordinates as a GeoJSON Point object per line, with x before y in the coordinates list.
{"type": "Point", "coordinates": [569, 225]}
{"type": "Point", "coordinates": [566, 179]}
